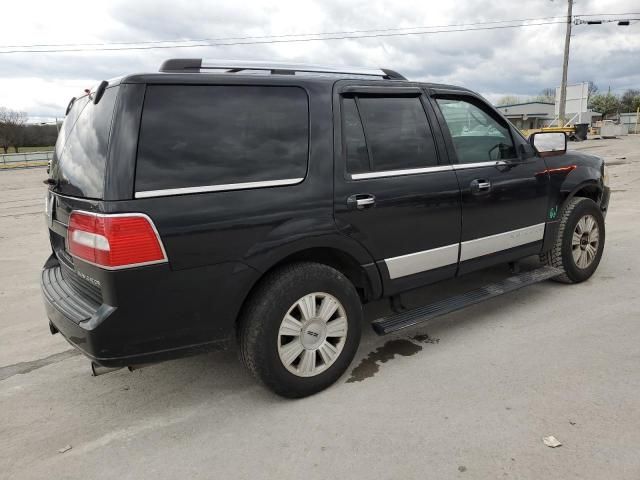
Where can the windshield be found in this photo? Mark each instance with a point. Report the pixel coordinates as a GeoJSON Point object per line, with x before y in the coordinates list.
{"type": "Point", "coordinates": [79, 158]}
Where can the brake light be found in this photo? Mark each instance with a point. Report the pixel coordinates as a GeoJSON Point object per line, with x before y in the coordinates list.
{"type": "Point", "coordinates": [114, 241]}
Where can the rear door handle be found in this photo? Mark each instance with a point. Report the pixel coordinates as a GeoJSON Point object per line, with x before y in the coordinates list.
{"type": "Point", "coordinates": [361, 201]}
{"type": "Point", "coordinates": [480, 186]}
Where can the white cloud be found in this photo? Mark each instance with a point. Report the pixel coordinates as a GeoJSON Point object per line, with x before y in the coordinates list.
{"type": "Point", "coordinates": [514, 61]}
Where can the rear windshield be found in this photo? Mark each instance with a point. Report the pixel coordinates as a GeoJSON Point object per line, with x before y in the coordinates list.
{"type": "Point", "coordinates": [81, 150]}
{"type": "Point", "coordinates": [208, 136]}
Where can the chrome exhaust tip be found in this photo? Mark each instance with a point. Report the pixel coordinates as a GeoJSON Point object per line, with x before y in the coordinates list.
{"type": "Point", "coordinates": [97, 370]}
{"type": "Point", "coordinates": [139, 366]}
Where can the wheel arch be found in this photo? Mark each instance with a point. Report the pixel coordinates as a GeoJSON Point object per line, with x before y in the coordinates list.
{"type": "Point", "coordinates": [591, 189]}
{"type": "Point", "coordinates": [588, 189]}
{"type": "Point", "coordinates": [365, 278]}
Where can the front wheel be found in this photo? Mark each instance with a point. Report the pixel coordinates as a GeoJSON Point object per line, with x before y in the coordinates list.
{"type": "Point", "coordinates": [579, 242]}
{"type": "Point", "coordinates": [301, 329]}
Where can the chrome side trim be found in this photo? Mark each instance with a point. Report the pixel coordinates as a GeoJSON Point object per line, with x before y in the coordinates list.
{"type": "Point", "coordinates": [493, 163]}
{"type": "Point", "coordinates": [394, 173]}
{"type": "Point", "coordinates": [501, 241]}
{"type": "Point", "coordinates": [217, 188]}
{"type": "Point", "coordinates": [422, 261]}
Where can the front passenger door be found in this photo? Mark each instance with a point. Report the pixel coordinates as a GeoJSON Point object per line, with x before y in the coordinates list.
{"type": "Point", "coordinates": [504, 190]}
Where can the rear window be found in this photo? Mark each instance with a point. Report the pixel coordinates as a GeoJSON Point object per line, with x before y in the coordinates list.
{"type": "Point", "coordinates": [80, 155]}
{"type": "Point", "coordinates": [216, 137]}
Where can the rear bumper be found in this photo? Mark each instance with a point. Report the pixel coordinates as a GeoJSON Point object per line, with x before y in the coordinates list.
{"type": "Point", "coordinates": [158, 316]}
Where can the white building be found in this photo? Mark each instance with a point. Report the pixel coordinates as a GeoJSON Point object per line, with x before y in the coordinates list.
{"type": "Point", "coordinates": [529, 115]}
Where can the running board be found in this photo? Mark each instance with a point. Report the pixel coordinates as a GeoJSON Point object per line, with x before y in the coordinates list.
{"type": "Point", "coordinates": [418, 315]}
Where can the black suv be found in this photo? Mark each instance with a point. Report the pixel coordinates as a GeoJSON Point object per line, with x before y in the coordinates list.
{"type": "Point", "coordinates": [217, 202]}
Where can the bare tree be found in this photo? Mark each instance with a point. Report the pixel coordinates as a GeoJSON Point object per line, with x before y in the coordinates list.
{"type": "Point", "coordinates": [548, 95]}
{"type": "Point", "coordinates": [508, 100]}
{"type": "Point", "coordinates": [12, 124]}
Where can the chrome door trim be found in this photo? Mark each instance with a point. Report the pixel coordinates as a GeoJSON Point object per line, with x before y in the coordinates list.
{"type": "Point", "coordinates": [425, 260]}
{"type": "Point", "coordinates": [501, 241]}
{"type": "Point", "coordinates": [493, 163]}
{"type": "Point", "coordinates": [422, 261]}
{"type": "Point", "coordinates": [394, 173]}
{"type": "Point", "coordinates": [217, 188]}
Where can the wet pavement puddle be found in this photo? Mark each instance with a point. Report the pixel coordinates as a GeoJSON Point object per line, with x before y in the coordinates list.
{"type": "Point", "coordinates": [370, 365]}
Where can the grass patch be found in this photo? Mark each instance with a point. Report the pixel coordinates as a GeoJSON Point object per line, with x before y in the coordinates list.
{"type": "Point", "coordinates": [30, 149]}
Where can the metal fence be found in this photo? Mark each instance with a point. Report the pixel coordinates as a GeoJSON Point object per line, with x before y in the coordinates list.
{"type": "Point", "coordinates": [25, 160]}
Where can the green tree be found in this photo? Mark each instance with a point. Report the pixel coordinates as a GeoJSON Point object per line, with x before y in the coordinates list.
{"type": "Point", "coordinates": [630, 100]}
{"type": "Point", "coordinates": [605, 103]}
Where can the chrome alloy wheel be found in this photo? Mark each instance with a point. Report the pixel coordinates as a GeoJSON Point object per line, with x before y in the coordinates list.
{"type": "Point", "coordinates": [585, 241]}
{"type": "Point", "coordinates": [312, 334]}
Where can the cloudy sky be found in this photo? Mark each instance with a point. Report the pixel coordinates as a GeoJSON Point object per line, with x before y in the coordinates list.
{"type": "Point", "coordinates": [517, 61]}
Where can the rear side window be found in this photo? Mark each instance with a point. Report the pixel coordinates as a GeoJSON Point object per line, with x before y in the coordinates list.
{"type": "Point", "coordinates": [396, 132]}
{"type": "Point", "coordinates": [217, 136]}
{"type": "Point", "coordinates": [355, 144]}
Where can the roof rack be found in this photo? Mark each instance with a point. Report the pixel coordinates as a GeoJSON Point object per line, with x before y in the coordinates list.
{"type": "Point", "coordinates": [279, 68]}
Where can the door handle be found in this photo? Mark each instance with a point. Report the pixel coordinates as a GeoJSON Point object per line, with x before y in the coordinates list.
{"type": "Point", "coordinates": [361, 201]}
{"type": "Point", "coordinates": [480, 186]}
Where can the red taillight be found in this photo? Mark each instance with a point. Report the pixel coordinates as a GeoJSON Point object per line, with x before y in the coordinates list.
{"type": "Point", "coordinates": [114, 241]}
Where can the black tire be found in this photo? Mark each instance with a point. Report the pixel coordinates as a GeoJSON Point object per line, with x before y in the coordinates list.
{"type": "Point", "coordinates": [262, 315]}
{"type": "Point", "coordinates": [561, 254]}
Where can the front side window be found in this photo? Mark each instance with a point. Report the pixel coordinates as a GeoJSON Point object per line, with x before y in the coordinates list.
{"type": "Point", "coordinates": [203, 135]}
{"type": "Point", "coordinates": [477, 135]}
{"type": "Point", "coordinates": [396, 132]}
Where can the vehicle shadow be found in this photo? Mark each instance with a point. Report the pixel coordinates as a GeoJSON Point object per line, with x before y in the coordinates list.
{"type": "Point", "coordinates": [217, 375]}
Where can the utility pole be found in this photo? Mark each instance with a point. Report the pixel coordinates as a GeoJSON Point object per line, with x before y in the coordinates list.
{"type": "Point", "coordinates": [565, 65]}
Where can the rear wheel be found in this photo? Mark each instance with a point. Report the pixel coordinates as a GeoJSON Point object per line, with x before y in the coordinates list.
{"type": "Point", "coordinates": [301, 329]}
{"type": "Point", "coordinates": [579, 242]}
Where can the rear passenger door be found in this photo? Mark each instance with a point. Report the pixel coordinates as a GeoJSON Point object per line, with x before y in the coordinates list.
{"type": "Point", "coordinates": [504, 186]}
{"type": "Point", "coordinates": [394, 191]}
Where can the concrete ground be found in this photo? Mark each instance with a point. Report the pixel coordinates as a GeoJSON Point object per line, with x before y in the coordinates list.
{"type": "Point", "coordinates": [470, 395]}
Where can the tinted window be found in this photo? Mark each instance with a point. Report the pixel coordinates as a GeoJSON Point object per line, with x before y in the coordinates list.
{"type": "Point", "coordinates": [81, 149]}
{"type": "Point", "coordinates": [215, 135]}
{"type": "Point", "coordinates": [355, 145]}
{"type": "Point", "coordinates": [397, 133]}
{"type": "Point", "coordinates": [477, 135]}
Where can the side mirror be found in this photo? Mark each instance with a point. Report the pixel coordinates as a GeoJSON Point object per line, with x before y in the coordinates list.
{"type": "Point", "coordinates": [549, 143]}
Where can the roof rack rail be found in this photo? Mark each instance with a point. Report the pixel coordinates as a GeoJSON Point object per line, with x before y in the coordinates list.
{"type": "Point", "coordinates": [235, 66]}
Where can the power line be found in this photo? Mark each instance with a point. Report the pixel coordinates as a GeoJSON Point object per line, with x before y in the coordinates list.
{"type": "Point", "coordinates": [219, 39]}
{"type": "Point", "coordinates": [258, 42]}
{"type": "Point", "coordinates": [348, 32]}
{"type": "Point", "coordinates": [289, 38]}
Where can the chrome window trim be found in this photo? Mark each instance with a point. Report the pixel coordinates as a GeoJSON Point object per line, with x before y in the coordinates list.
{"type": "Point", "coordinates": [418, 262]}
{"type": "Point", "coordinates": [493, 163]}
{"type": "Point", "coordinates": [394, 173]}
{"type": "Point", "coordinates": [501, 241]}
{"type": "Point", "coordinates": [217, 188]}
